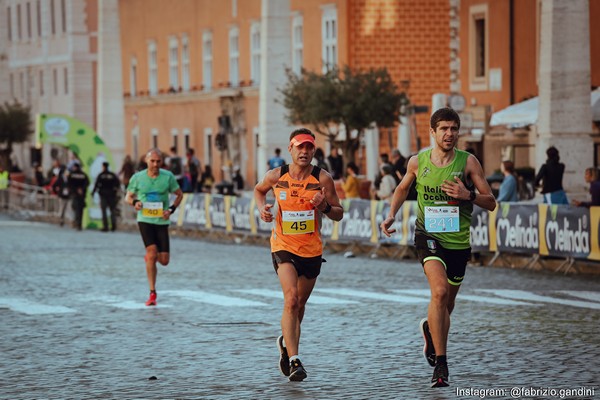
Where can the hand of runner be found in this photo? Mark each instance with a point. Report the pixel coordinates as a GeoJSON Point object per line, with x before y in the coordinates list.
{"type": "Point", "coordinates": [265, 214]}
{"type": "Point", "coordinates": [318, 199]}
{"type": "Point", "coordinates": [385, 226]}
{"type": "Point", "coordinates": [456, 189]}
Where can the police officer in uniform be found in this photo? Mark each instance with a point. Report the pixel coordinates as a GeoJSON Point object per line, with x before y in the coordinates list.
{"type": "Point", "coordinates": [78, 183]}
{"type": "Point", "coordinates": [107, 185]}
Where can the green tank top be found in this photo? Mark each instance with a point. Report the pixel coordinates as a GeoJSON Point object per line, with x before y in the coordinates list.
{"type": "Point", "coordinates": [154, 194]}
{"type": "Point", "coordinates": [440, 216]}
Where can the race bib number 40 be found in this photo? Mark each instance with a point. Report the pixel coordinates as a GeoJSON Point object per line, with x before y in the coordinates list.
{"type": "Point", "coordinates": [297, 222]}
{"type": "Point", "coordinates": [152, 209]}
{"type": "Point", "coordinates": [442, 219]}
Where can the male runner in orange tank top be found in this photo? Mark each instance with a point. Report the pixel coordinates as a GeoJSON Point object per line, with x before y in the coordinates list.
{"type": "Point", "coordinates": [304, 193]}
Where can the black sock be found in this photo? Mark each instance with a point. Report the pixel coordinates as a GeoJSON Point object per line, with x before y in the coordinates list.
{"type": "Point", "coordinates": [154, 291]}
{"type": "Point", "coordinates": [440, 360]}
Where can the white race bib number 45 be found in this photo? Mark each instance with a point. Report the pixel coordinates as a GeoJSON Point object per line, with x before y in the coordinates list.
{"type": "Point", "coordinates": [298, 222]}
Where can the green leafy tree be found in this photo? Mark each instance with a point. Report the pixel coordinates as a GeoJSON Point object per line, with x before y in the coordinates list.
{"type": "Point", "coordinates": [354, 99]}
{"type": "Point", "coordinates": [15, 127]}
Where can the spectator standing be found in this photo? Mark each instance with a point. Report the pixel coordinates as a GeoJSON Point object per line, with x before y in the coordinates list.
{"type": "Point", "coordinates": [592, 176]}
{"type": "Point", "coordinates": [399, 164]}
{"type": "Point", "coordinates": [207, 180]}
{"type": "Point", "coordinates": [508, 188]}
{"type": "Point", "coordinates": [351, 184]}
{"type": "Point", "coordinates": [336, 162]}
{"type": "Point", "coordinates": [127, 170]}
{"type": "Point", "coordinates": [78, 183]}
{"type": "Point", "coordinates": [276, 160]}
{"type": "Point", "coordinates": [237, 178]}
{"type": "Point", "coordinates": [107, 185]}
{"type": "Point", "coordinates": [384, 159]}
{"type": "Point", "coordinates": [193, 168]}
{"type": "Point", "coordinates": [175, 165]}
{"type": "Point", "coordinates": [320, 159]}
{"type": "Point", "coordinates": [551, 175]}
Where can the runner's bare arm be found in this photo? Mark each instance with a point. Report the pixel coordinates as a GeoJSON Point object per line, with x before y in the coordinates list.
{"type": "Point", "coordinates": [400, 194]}
{"type": "Point", "coordinates": [261, 190]}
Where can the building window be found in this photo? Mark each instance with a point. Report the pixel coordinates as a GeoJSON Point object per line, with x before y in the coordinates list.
{"type": "Point", "coordinates": [19, 36]}
{"type": "Point", "coordinates": [186, 138]}
{"type": "Point", "coordinates": [207, 60]}
{"type": "Point", "coordinates": [41, 82]}
{"type": "Point", "coordinates": [28, 21]}
{"type": "Point", "coordinates": [175, 135]}
{"type": "Point", "coordinates": [185, 63]}
{"type": "Point", "coordinates": [12, 86]}
{"type": "Point", "coordinates": [234, 57]}
{"type": "Point", "coordinates": [207, 146]}
{"type": "Point", "coordinates": [9, 24]}
{"type": "Point", "coordinates": [38, 7]}
{"type": "Point", "coordinates": [52, 18]}
{"type": "Point", "coordinates": [152, 69]}
{"type": "Point", "coordinates": [21, 85]}
{"type": "Point", "coordinates": [63, 15]}
{"type": "Point", "coordinates": [478, 45]}
{"type": "Point", "coordinates": [55, 81]}
{"type": "Point", "coordinates": [154, 134]}
{"type": "Point", "coordinates": [133, 77]}
{"type": "Point", "coordinates": [66, 78]}
{"type": "Point", "coordinates": [297, 44]}
{"type": "Point", "coordinates": [329, 37]}
{"type": "Point", "coordinates": [173, 63]}
{"type": "Point", "coordinates": [255, 53]}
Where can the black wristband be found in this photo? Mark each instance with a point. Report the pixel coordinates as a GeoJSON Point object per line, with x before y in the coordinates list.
{"type": "Point", "coordinates": [172, 209]}
{"type": "Point", "coordinates": [327, 209]}
{"type": "Point", "coordinates": [473, 195]}
{"type": "Point", "coordinates": [135, 201]}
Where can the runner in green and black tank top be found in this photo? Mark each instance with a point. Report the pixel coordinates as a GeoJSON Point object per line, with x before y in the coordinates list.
{"type": "Point", "coordinates": [440, 216]}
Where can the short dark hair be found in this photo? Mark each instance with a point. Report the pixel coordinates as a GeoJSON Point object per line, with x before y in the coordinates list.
{"type": "Point", "coordinates": [552, 153]}
{"type": "Point", "coordinates": [301, 131]}
{"type": "Point", "coordinates": [444, 114]}
{"type": "Point", "coordinates": [352, 165]}
{"type": "Point", "coordinates": [509, 166]}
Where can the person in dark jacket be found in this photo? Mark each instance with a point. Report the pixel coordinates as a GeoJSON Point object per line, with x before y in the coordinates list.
{"type": "Point", "coordinates": [107, 185]}
{"type": "Point", "coordinates": [551, 175]}
{"type": "Point", "coordinates": [78, 183]}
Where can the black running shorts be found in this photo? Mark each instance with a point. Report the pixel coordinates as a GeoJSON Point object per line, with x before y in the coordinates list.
{"type": "Point", "coordinates": [153, 234]}
{"type": "Point", "coordinates": [310, 267]}
{"type": "Point", "coordinates": [455, 261]}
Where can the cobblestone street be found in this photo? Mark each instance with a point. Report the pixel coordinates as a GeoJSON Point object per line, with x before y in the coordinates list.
{"type": "Point", "coordinates": [74, 324]}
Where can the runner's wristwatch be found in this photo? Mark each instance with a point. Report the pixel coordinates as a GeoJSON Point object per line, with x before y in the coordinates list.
{"type": "Point", "coordinates": [472, 195]}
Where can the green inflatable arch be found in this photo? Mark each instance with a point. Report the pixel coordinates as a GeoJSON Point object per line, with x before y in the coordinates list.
{"type": "Point", "coordinates": [85, 143]}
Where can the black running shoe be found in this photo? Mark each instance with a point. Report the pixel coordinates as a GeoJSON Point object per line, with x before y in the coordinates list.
{"type": "Point", "coordinates": [284, 360]}
{"type": "Point", "coordinates": [440, 376]}
{"type": "Point", "coordinates": [428, 349]}
{"type": "Point", "coordinates": [297, 371]}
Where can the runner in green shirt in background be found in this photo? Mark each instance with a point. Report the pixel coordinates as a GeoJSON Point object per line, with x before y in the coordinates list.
{"type": "Point", "coordinates": [148, 192]}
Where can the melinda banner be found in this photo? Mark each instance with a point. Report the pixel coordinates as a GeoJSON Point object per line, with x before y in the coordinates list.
{"type": "Point", "coordinates": [560, 231]}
